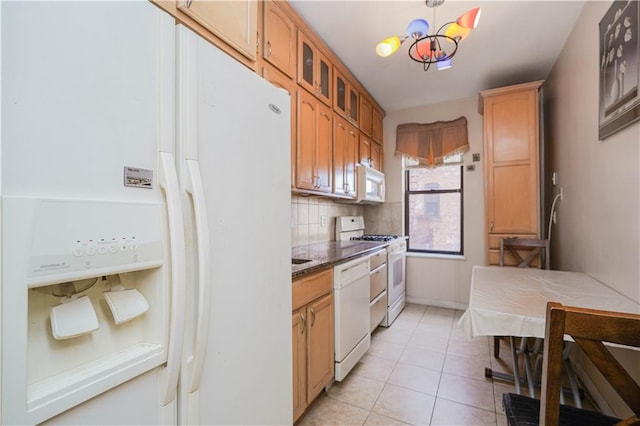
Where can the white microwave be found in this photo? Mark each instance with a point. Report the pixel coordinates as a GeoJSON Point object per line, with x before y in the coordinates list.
{"type": "Point", "coordinates": [370, 185]}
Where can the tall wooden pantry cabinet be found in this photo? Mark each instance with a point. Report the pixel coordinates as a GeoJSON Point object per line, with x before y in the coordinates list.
{"type": "Point", "coordinates": [512, 152]}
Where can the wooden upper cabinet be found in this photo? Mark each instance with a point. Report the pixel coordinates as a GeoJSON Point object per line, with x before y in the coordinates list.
{"type": "Point", "coordinates": [376, 125]}
{"type": "Point", "coordinates": [346, 99]}
{"type": "Point", "coordinates": [234, 22]}
{"type": "Point", "coordinates": [279, 38]}
{"type": "Point", "coordinates": [364, 150]}
{"type": "Point", "coordinates": [377, 157]}
{"type": "Point", "coordinates": [345, 157]}
{"type": "Point", "coordinates": [313, 148]}
{"type": "Point", "coordinates": [366, 116]}
{"type": "Point", "coordinates": [314, 69]}
{"type": "Point", "coordinates": [370, 153]}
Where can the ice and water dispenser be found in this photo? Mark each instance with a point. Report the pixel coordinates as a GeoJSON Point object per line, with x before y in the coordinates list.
{"type": "Point", "coordinates": [89, 286]}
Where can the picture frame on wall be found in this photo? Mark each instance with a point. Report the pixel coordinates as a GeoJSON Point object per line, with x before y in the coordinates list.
{"type": "Point", "coordinates": [619, 104]}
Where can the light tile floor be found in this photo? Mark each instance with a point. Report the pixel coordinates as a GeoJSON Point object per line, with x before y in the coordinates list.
{"type": "Point", "coordinates": [420, 371]}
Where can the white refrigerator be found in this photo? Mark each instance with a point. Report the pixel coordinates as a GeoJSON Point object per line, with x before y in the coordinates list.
{"type": "Point", "coordinates": [145, 224]}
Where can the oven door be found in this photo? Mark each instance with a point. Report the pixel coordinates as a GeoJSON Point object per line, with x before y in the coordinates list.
{"type": "Point", "coordinates": [396, 265]}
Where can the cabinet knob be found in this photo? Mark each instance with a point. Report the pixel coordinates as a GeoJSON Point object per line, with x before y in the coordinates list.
{"type": "Point", "coordinates": [313, 317]}
{"type": "Point", "coordinates": [304, 323]}
{"type": "Point", "coordinates": [491, 227]}
{"type": "Point", "coordinates": [268, 48]}
{"type": "Point", "coordinates": [189, 3]}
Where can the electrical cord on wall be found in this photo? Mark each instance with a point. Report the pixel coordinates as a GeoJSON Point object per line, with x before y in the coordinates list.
{"type": "Point", "coordinates": [553, 209]}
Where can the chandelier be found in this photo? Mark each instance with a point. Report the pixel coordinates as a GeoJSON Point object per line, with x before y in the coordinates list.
{"type": "Point", "coordinates": [436, 48]}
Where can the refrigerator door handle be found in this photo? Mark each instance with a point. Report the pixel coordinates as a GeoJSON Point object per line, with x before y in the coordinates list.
{"type": "Point", "coordinates": [195, 190]}
{"type": "Point", "coordinates": [168, 178]}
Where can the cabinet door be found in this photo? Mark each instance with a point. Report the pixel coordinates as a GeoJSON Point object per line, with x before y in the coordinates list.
{"type": "Point", "coordinates": [366, 115]}
{"type": "Point", "coordinates": [351, 159]}
{"type": "Point", "coordinates": [339, 151]}
{"type": "Point", "coordinates": [345, 157]}
{"type": "Point", "coordinates": [306, 62]}
{"type": "Point", "coordinates": [307, 116]}
{"type": "Point", "coordinates": [280, 80]}
{"type": "Point", "coordinates": [376, 125]}
{"type": "Point", "coordinates": [323, 85]}
{"type": "Point", "coordinates": [511, 144]}
{"type": "Point", "coordinates": [340, 94]}
{"type": "Point", "coordinates": [235, 22]}
{"type": "Point", "coordinates": [376, 156]}
{"type": "Point", "coordinates": [279, 38]}
{"type": "Point", "coordinates": [320, 349]}
{"type": "Point", "coordinates": [324, 150]}
{"type": "Point", "coordinates": [354, 105]}
{"type": "Point", "coordinates": [364, 150]}
{"type": "Point", "coordinates": [299, 339]}
{"type": "Point", "coordinates": [314, 69]}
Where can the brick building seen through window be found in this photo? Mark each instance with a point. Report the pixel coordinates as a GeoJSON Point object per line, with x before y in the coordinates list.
{"type": "Point", "coordinates": [434, 209]}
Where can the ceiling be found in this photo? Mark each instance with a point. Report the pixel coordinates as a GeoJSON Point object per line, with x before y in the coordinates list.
{"type": "Point", "coordinates": [516, 41]}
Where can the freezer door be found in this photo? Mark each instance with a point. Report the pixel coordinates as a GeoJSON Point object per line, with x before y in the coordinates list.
{"type": "Point", "coordinates": [89, 206]}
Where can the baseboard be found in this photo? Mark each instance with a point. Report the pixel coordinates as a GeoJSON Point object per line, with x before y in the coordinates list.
{"type": "Point", "coordinates": [437, 303]}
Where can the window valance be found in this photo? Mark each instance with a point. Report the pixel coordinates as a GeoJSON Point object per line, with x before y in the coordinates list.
{"type": "Point", "coordinates": [430, 143]}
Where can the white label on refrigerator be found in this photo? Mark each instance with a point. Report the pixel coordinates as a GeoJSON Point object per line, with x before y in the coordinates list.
{"type": "Point", "coordinates": [138, 178]}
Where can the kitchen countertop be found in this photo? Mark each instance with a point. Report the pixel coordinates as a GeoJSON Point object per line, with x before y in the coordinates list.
{"type": "Point", "coordinates": [330, 253]}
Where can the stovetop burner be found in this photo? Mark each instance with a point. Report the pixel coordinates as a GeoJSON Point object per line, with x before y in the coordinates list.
{"type": "Point", "coordinates": [375, 238]}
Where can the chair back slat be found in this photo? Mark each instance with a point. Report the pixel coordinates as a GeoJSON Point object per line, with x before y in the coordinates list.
{"type": "Point", "coordinates": [535, 249]}
{"type": "Point", "coordinates": [610, 368]}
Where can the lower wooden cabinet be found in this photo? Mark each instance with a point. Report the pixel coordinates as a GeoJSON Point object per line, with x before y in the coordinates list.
{"type": "Point", "coordinates": [313, 338]}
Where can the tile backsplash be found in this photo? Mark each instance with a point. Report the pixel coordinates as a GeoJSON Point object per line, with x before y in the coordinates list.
{"type": "Point", "coordinates": [384, 219]}
{"type": "Point", "coordinates": [307, 214]}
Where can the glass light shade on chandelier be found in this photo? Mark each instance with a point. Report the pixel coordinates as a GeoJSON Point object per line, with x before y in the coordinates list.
{"type": "Point", "coordinates": [436, 48]}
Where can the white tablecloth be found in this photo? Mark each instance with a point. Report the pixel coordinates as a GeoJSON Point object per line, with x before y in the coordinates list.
{"type": "Point", "coordinates": [512, 301]}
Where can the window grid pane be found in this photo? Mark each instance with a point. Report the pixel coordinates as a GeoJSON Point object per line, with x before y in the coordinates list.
{"type": "Point", "coordinates": [434, 209]}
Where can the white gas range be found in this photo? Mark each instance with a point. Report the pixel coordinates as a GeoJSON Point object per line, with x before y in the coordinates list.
{"type": "Point", "coordinates": [387, 298]}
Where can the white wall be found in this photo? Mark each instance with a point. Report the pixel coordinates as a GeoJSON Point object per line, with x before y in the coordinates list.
{"type": "Point", "coordinates": [598, 220]}
{"type": "Point", "coordinates": [598, 226]}
{"type": "Point", "coordinates": [430, 280]}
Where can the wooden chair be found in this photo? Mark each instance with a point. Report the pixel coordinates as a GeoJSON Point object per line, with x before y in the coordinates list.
{"type": "Point", "coordinates": [535, 248]}
{"type": "Point", "coordinates": [514, 246]}
{"type": "Point", "coordinates": [589, 329]}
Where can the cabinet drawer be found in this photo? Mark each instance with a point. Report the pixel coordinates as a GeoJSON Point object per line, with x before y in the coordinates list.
{"type": "Point", "coordinates": [311, 287]}
{"type": "Point", "coordinates": [494, 239]}
{"type": "Point", "coordinates": [378, 281]}
{"type": "Point", "coordinates": [378, 259]}
{"type": "Point", "coordinates": [377, 311]}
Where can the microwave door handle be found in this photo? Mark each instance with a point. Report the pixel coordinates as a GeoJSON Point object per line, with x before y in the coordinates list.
{"type": "Point", "coordinates": [382, 190]}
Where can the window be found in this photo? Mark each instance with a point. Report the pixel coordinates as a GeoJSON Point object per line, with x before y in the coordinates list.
{"type": "Point", "coordinates": [434, 209]}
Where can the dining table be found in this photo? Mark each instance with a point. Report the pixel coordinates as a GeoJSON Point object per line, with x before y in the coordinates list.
{"type": "Point", "coordinates": [510, 301]}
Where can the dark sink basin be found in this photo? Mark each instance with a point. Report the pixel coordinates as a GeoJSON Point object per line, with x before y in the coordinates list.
{"type": "Point", "coordinates": [300, 261]}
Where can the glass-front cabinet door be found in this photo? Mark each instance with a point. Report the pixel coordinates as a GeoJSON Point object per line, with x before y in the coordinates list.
{"type": "Point", "coordinates": [324, 79]}
{"type": "Point", "coordinates": [314, 69]}
{"type": "Point", "coordinates": [305, 76]}
{"type": "Point", "coordinates": [354, 102]}
{"type": "Point", "coordinates": [346, 98]}
{"type": "Point", "coordinates": [340, 94]}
